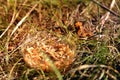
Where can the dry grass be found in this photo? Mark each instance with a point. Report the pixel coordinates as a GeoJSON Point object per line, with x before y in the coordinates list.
{"type": "Point", "coordinates": [95, 40]}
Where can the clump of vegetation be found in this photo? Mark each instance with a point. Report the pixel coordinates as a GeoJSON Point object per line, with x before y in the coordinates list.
{"type": "Point", "coordinates": [91, 29]}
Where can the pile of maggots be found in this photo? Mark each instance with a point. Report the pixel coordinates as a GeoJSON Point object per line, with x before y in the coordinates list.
{"type": "Point", "coordinates": [43, 49]}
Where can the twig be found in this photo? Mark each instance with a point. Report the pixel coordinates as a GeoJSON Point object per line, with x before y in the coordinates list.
{"type": "Point", "coordinates": [112, 76]}
{"type": "Point", "coordinates": [23, 19]}
{"type": "Point", "coordinates": [12, 69]}
{"type": "Point", "coordinates": [73, 15]}
{"type": "Point", "coordinates": [104, 7]}
{"type": "Point", "coordinates": [82, 67]}
{"type": "Point", "coordinates": [106, 16]}
{"type": "Point", "coordinates": [15, 15]}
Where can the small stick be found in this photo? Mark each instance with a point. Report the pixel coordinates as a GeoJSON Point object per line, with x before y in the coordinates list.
{"type": "Point", "coordinates": [106, 16]}
{"type": "Point", "coordinates": [23, 19]}
{"type": "Point", "coordinates": [104, 7]}
{"type": "Point", "coordinates": [15, 15]}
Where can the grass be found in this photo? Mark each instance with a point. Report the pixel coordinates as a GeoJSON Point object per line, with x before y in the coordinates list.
{"type": "Point", "coordinates": [97, 55]}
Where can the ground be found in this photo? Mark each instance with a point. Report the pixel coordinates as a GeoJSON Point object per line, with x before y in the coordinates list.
{"type": "Point", "coordinates": [86, 33]}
